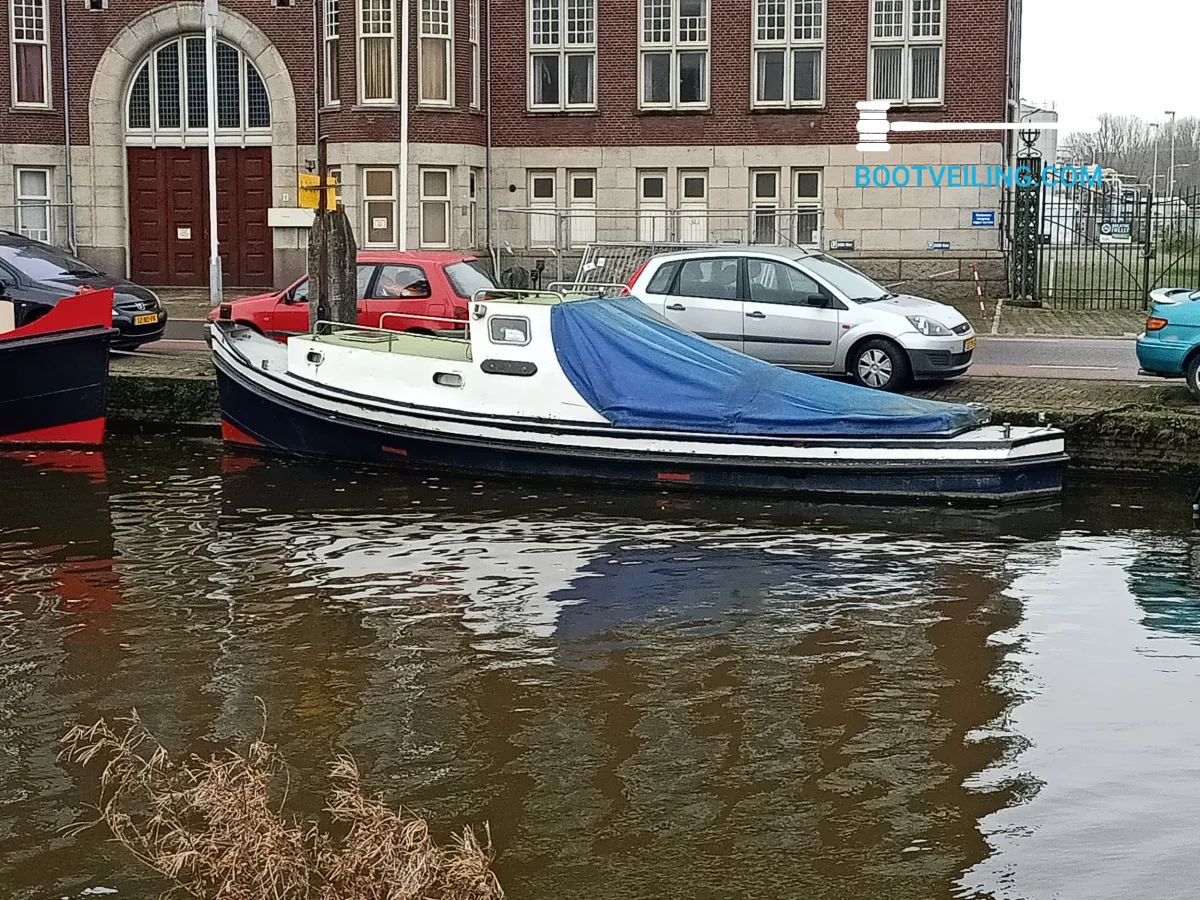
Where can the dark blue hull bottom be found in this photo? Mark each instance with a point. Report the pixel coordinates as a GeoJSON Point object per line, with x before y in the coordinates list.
{"type": "Point", "coordinates": [250, 418]}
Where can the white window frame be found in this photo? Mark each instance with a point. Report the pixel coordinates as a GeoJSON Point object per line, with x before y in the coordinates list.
{"type": "Point", "coordinates": [563, 47]}
{"type": "Point", "coordinates": [425, 199]}
{"type": "Point", "coordinates": [473, 37]}
{"type": "Point", "coordinates": [676, 45]}
{"type": "Point", "coordinates": [390, 36]}
{"type": "Point", "coordinates": [183, 135]}
{"type": "Point", "coordinates": [653, 215]}
{"type": "Point", "coordinates": [581, 211]}
{"type": "Point", "coordinates": [35, 201]}
{"type": "Point", "coordinates": [43, 41]}
{"type": "Point", "coordinates": [805, 205]}
{"type": "Point", "coordinates": [427, 31]}
{"type": "Point", "coordinates": [331, 53]}
{"type": "Point", "coordinates": [693, 211]}
{"type": "Point", "coordinates": [543, 227]}
{"type": "Point", "coordinates": [764, 205]}
{"type": "Point", "coordinates": [369, 199]}
{"type": "Point", "coordinates": [881, 30]}
{"type": "Point", "coordinates": [805, 25]}
{"type": "Point", "coordinates": [473, 206]}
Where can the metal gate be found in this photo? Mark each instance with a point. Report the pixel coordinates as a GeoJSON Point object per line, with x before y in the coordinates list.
{"type": "Point", "coordinates": [1102, 247]}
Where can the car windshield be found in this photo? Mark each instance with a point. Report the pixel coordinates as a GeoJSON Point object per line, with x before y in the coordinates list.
{"type": "Point", "coordinates": [851, 282]}
{"type": "Point", "coordinates": [39, 262]}
{"type": "Point", "coordinates": [467, 277]}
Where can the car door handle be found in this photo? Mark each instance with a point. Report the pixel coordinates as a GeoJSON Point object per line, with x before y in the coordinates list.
{"type": "Point", "coordinates": [677, 307]}
{"type": "Point", "coordinates": [756, 315]}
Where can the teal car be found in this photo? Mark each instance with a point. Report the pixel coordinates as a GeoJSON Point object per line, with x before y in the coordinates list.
{"type": "Point", "coordinates": [1170, 347]}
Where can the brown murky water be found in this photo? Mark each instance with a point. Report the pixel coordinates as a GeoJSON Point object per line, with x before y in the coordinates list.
{"type": "Point", "coordinates": [646, 696]}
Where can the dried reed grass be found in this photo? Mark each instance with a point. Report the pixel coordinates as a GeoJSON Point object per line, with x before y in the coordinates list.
{"type": "Point", "coordinates": [209, 826]}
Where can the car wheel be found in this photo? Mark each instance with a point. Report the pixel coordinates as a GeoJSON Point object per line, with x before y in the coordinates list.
{"type": "Point", "coordinates": [1193, 376]}
{"type": "Point", "coordinates": [880, 365]}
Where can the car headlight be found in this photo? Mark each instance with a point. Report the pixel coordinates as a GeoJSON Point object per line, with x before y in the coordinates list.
{"type": "Point", "coordinates": [929, 327]}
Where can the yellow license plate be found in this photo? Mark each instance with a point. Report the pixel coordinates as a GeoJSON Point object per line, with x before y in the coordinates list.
{"type": "Point", "coordinates": [968, 345]}
{"type": "Point", "coordinates": [148, 319]}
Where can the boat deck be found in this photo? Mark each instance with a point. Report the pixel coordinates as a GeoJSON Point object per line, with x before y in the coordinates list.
{"type": "Point", "coordinates": [403, 343]}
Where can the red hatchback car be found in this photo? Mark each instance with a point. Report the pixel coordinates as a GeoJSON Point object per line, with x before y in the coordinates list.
{"type": "Point", "coordinates": [416, 290]}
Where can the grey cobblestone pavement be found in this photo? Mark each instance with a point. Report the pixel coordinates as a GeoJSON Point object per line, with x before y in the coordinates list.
{"type": "Point", "coordinates": [1064, 395]}
{"type": "Point", "coordinates": [1025, 321]}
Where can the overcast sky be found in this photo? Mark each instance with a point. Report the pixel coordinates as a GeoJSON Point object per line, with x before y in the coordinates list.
{"type": "Point", "coordinates": [1117, 56]}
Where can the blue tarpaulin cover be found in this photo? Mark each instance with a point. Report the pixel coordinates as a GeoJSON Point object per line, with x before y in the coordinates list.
{"type": "Point", "coordinates": [639, 371]}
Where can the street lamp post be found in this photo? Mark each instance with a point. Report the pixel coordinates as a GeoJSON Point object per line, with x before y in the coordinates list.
{"type": "Point", "coordinates": [1171, 176]}
{"type": "Point", "coordinates": [215, 287]}
{"type": "Point", "coordinates": [1154, 181]}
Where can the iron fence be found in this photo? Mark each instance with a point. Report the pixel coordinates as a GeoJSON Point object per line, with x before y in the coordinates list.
{"type": "Point", "coordinates": [1102, 247]}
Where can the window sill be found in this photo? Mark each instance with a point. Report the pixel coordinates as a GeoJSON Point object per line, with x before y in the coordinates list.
{"type": "Point", "coordinates": [788, 110]}
{"type": "Point", "coordinates": [36, 110]}
{"type": "Point", "coordinates": [376, 107]}
{"type": "Point", "coordinates": [665, 111]}
{"type": "Point", "coordinates": [593, 111]}
{"type": "Point", "coordinates": [930, 106]}
{"type": "Point", "coordinates": [431, 106]}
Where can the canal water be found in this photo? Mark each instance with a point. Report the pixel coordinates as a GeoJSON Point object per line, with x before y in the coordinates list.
{"type": "Point", "coordinates": [645, 695]}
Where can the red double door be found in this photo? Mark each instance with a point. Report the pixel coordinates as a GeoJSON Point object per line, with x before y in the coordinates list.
{"type": "Point", "coordinates": [168, 216]}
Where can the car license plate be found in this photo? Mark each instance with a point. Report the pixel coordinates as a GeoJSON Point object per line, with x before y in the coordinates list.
{"type": "Point", "coordinates": [968, 345]}
{"type": "Point", "coordinates": [148, 319]}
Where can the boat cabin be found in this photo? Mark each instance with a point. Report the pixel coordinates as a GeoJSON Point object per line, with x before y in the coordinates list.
{"type": "Point", "coordinates": [504, 365]}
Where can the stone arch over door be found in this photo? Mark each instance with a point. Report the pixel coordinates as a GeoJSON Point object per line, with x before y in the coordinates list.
{"type": "Point", "coordinates": [109, 213]}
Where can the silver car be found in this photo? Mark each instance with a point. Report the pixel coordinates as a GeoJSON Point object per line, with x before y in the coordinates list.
{"type": "Point", "coordinates": [808, 311]}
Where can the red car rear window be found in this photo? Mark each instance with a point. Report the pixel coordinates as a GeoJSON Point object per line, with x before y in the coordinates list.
{"type": "Point", "coordinates": [468, 277]}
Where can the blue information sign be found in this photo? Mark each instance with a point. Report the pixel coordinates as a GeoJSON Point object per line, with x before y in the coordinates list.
{"type": "Point", "coordinates": [984, 218]}
{"type": "Point", "coordinates": [939, 245]}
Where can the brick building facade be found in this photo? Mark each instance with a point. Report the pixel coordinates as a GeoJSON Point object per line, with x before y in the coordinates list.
{"type": "Point", "coordinates": [637, 119]}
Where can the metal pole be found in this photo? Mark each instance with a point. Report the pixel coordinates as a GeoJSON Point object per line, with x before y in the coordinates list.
{"type": "Point", "coordinates": [488, 225]}
{"type": "Point", "coordinates": [71, 242]}
{"type": "Point", "coordinates": [215, 288]}
{"type": "Point", "coordinates": [404, 38]}
{"type": "Point", "coordinates": [1154, 181]}
{"type": "Point", "coordinates": [1171, 177]}
{"type": "Point", "coordinates": [322, 230]}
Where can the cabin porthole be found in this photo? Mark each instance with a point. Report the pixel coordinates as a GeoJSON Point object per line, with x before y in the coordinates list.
{"type": "Point", "coordinates": [513, 330]}
{"type": "Point", "coordinates": [315, 357]}
{"type": "Point", "coordinates": [448, 379]}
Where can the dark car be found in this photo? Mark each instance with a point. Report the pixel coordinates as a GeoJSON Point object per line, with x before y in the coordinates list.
{"type": "Point", "coordinates": [35, 276]}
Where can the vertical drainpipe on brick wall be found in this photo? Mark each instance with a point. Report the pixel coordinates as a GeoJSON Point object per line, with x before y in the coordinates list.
{"type": "Point", "coordinates": [405, 36]}
{"type": "Point", "coordinates": [67, 133]}
{"type": "Point", "coordinates": [487, 227]}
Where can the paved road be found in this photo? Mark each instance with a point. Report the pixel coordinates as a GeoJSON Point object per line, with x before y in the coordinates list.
{"type": "Point", "coordinates": [1021, 357]}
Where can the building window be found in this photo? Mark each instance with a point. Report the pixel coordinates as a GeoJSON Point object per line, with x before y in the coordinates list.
{"type": "Point", "coordinates": [908, 46]}
{"type": "Point", "coordinates": [379, 207]}
{"type": "Point", "coordinates": [581, 203]}
{"type": "Point", "coordinates": [30, 53]}
{"type": "Point", "coordinates": [333, 92]}
{"type": "Point", "coordinates": [473, 31]}
{"type": "Point", "coordinates": [674, 54]}
{"type": "Point", "coordinates": [33, 203]}
{"type": "Point", "coordinates": [169, 95]}
{"type": "Point", "coordinates": [653, 221]}
{"type": "Point", "coordinates": [543, 195]}
{"type": "Point", "coordinates": [789, 51]}
{"type": "Point", "coordinates": [693, 207]}
{"type": "Point", "coordinates": [436, 63]}
{"type": "Point", "coordinates": [562, 54]}
{"type": "Point", "coordinates": [473, 208]}
{"type": "Point", "coordinates": [377, 51]}
{"type": "Point", "coordinates": [435, 207]}
{"type": "Point", "coordinates": [764, 203]}
{"type": "Point", "coordinates": [808, 207]}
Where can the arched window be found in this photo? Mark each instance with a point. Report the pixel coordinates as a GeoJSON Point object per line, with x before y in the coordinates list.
{"type": "Point", "coordinates": [168, 97]}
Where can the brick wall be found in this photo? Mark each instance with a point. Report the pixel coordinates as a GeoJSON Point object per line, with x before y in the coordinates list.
{"type": "Point", "coordinates": [975, 78]}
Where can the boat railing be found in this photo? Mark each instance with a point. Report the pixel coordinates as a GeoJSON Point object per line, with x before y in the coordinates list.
{"type": "Point", "coordinates": [599, 290]}
{"type": "Point", "coordinates": [370, 334]}
{"type": "Point", "coordinates": [515, 295]}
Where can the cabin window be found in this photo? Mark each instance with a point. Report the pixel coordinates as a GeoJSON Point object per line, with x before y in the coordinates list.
{"type": "Point", "coordinates": [509, 330]}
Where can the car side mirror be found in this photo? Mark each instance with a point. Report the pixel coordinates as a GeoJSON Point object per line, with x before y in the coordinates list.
{"type": "Point", "coordinates": [818, 301]}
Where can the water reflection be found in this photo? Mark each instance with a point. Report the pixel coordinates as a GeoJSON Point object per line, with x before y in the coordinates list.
{"type": "Point", "coordinates": [646, 695]}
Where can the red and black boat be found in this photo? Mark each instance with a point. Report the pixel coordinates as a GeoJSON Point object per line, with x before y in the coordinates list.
{"type": "Point", "coordinates": [54, 371]}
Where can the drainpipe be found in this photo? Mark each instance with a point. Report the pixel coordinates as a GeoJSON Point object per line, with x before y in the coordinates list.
{"type": "Point", "coordinates": [488, 160]}
{"type": "Point", "coordinates": [71, 242]}
{"type": "Point", "coordinates": [403, 217]}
